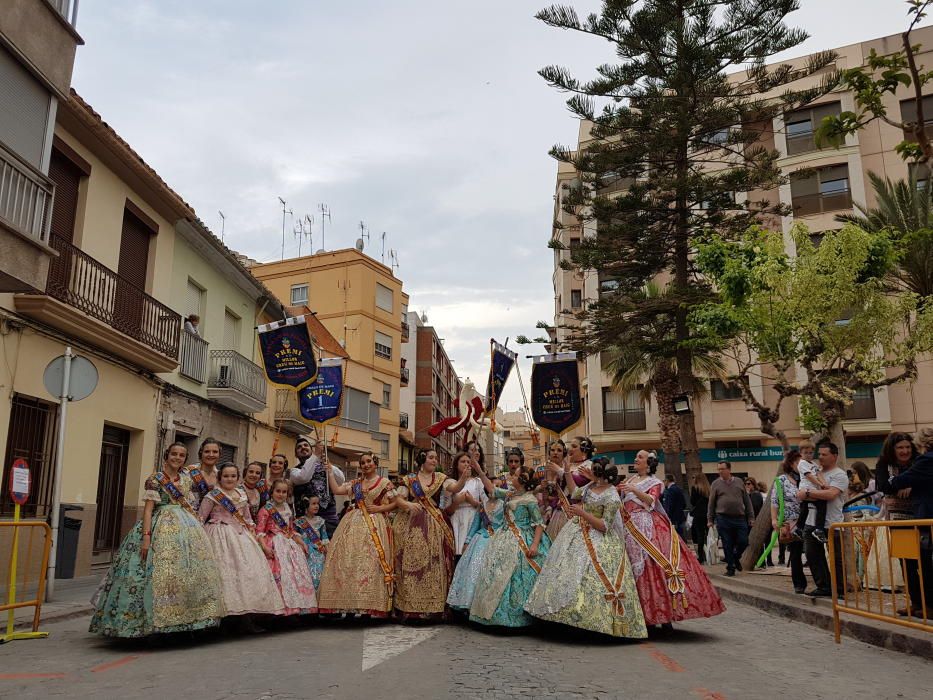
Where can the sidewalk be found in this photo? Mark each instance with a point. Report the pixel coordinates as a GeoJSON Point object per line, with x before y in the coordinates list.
{"type": "Point", "coordinates": [771, 590]}
{"type": "Point", "coordinates": [72, 599]}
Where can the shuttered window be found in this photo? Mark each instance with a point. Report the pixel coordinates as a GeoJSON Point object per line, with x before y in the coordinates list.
{"type": "Point", "coordinates": [355, 409]}
{"type": "Point", "coordinates": [67, 178]}
{"type": "Point", "coordinates": [194, 300]}
{"type": "Point", "coordinates": [384, 297]}
{"type": "Point", "coordinates": [231, 330]}
{"type": "Point", "coordinates": [134, 250]}
{"type": "Point", "coordinates": [383, 345]}
{"type": "Point", "coordinates": [24, 110]}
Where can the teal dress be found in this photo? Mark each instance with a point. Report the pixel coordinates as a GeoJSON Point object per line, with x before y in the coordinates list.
{"type": "Point", "coordinates": [507, 577]}
{"type": "Point", "coordinates": [178, 587]}
{"type": "Point", "coordinates": [315, 555]}
{"type": "Point", "coordinates": [473, 560]}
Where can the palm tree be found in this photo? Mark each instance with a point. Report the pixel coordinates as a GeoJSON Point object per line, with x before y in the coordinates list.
{"type": "Point", "coordinates": [904, 209]}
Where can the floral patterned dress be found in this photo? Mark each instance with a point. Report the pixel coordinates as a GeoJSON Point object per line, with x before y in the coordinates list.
{"type": "Point", "coordinates": [317, 546]}
{"type": "Point", "coordinates": [587, 580]}
{"type": "Point", "coordinates": [289, 564]}
{"type": "Point", "coordinates": [473, 561]}
{"type": "Point", "coordinates": [507, 577]}
{"type": "Point", "coordinates": [424, 553]}
{"type": "Point", "coordinates": [676, 588]}
{"type": "Point", "coordinates": [359, 573]}
{"type": "Point", "coordinates": [178, 587]}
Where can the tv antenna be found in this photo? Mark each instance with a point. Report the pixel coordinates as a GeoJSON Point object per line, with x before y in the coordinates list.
{"type": "Point", "coordinates": [383, 247]}
{"type": "Point", "coordinates": [393, 261]}
{"type": "Point", "coordinates": [325, 214]}
{"type": "Point", "coordinates": [364, 233]}
{"type": "Point", "coordinates": [223, 222]}
{"type": "Point", "coordinates": [303, 230]}
{"type": "Point", "coordinates": [285, 211]}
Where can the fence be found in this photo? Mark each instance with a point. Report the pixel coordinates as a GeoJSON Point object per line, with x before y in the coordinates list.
{"type": "Point", "coordinates": [886, 572]}
{"type": "Point", "coordinates": [32, 544]}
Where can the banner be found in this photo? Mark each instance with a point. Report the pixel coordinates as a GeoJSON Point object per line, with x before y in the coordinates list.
{"type": "Point", "coordinates": [500, 368]}
{"type": "Point", "coordinates": [287, 350]}
{"type": "Point", "coordinates": [321, 400]}
{"type": "Point", "coordinates": [556, 404]}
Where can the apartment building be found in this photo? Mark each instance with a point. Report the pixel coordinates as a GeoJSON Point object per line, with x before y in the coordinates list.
{"type": "Point", "coordinates": [822, 183]}
{"type": "Point", "coordinates": [361, 303]}
{"type": "Point", "coordinates": [518, 431]}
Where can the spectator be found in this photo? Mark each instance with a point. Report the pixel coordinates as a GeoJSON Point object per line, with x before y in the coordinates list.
{"type": "Point", "coordinates": [754, 495]}
{"type": "Point", "coordinates": [811, 479]}
{"type": "Point", "coordinates": [675, 503]}
{"type": "Point", "coordinates": [192, 323]}
{"type": "Point", "coordinates": [787, 482]}
{"type": "Point", "coordinates": [731, 510]}
{"type": "Point", "coordinates": [699, 502]}
{"type": "Point", "coordinates": [837, 482]}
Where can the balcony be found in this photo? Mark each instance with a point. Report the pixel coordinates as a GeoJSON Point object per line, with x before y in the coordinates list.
{"type": "Point", "coordinates": [405, 376]}
{"type": "Point", "coordinates": [25, 217]}
{"type": "Point", "coordinates": [112, 313]}
{"type": "Point", "coordinates": [236, 382]}
{"type": "Point", "coordinates": [862, 406]}
{"type": "Point", "coordinates": [406, 331]}
{"type": "Point", "coordinates": [627, 419]}
{"type": "Point", "coordinates": [192, 357]}
{"type": "Point", "coordinates": [403, 421]}
{"type": "Point", "coordinates": [810, 204]}
{"type": "Point", "coordinates": [287, 416]}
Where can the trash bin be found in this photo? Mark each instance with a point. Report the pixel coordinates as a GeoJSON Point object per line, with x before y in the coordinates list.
{"type": "Point", "coordinates": [69, 530]}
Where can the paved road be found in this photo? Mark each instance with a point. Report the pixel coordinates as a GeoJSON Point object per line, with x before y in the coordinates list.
{"type": "Point", "coordinates": [741, 654]}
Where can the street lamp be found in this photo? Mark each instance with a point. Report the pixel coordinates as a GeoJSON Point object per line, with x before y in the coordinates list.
{"type": "Point", "coordinates": [681, 404]}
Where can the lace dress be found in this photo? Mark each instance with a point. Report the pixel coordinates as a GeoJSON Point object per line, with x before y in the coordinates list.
{"type": "Point", "coordinates": [289, 563]}
{"type": "Point", "coordinates": [473, 561]}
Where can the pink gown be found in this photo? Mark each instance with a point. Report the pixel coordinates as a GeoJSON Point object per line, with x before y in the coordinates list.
{"type": "Point", "coordinates": [695, 595]}
{"type": "Point", "coordinates": [290, 564]}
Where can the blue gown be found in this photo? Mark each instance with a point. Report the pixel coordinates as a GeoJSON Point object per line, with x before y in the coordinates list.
{"type": "Point", "coordinates": [471, 563]}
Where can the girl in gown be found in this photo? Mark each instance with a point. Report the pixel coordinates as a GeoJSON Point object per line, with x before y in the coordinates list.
{"type": "Point", "coordinates": [671, 583]}
{"type": "Point", "coordinates": [254, 484]}
{"type": "Point", "coordinates": [557, 462]}
{"type": "Point", "coordinates": [313, 533]}
{"type": "Point", "coordinates": [286, 552]}
{"type": "Point", "coordinates": [587, 581]}
{"type": "Point", "coordinates": [514, 556]}
{"type": "Point", "coordinates": [248, 584]}
{"type": "Point", "coordinates": [164, 577]}
{"type": "Point", "coordinates": [488, 519]}
{"type": "Point", "coordinates": [359, 575]}
{"type": "Point", "coordinates": [579, 455]}
{"type": "Point", "coordinates": [424, 542]}
{"type": "Point", "coordinates": [465, 504]}
{"type": "Point", "coordinates": [206, 468]}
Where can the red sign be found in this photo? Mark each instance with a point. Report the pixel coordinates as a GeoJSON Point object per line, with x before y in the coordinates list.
{"type": "Point", "coordinates": [20, 482]}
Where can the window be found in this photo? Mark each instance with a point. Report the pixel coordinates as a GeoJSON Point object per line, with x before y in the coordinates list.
{"type": "Point", "coordinates": [386, 395]}
{"type": "Point", "coordinates": [383, 345]}
{"type": "Point", "coordinates": [382, 444]}
{"type": "Point", "coordinates": [607, 285]}
{"type": "Point", "coordinates": [921, 173]}
{"type": "Point", "coordinates": [820, 191]}
{"type": "Point", "coordinates": [576, 298]}
{"type": "Point", "coordinates": [909, 114]}
{"type": "Point", "coordinates": [574, 248]}
{"type": "Point", "coordinates": [800, 125]}
{"type": "Point", "coordinates": [32, 430]}
{"type": "Point", "coordinates": [863, 404]}
{"type": "Point", "coordinates": [373, 417]}
{"type": "Point", "coordinates": [194, 301]}
{"type": "Point", "coordinates": [720, 137]}
{"type": "Point", "coordinates": [299, 295]}
{"type": "Point", "coordinates": [355, 410]}
{"type": "Point", "coordinates": [721, 391]}
{"type": "Point", "coordinates": [383, 297]}
{"type": "Point", "coordinates": [231, 330]}
{"type": "Point", "coordinates": [623, 412]}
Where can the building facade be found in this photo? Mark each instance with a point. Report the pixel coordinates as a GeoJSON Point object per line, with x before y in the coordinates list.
{"type": "Point", "coordinates": [822, 183]}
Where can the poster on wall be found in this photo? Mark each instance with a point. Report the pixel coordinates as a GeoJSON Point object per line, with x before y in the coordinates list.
{"type": "Point", "coordinates": [287, 349]}
{"type": "Point", "coordinates": [556, 403]}
{"type": "Point", "coordinates": [503, 360]}
{"type": "Point", "coordinates": [321, 400]}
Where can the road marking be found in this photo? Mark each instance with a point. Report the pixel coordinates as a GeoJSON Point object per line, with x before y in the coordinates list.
{"type": "Point", "coordinates": [114, 664]}
{"type": "Point", "coordinates": [20, 676]}
{"type": "Point", "coordinates": [705, 694]}
{"type": "Point", "coordinates": [663, 659]}
{"type": "Point", "coordinates": [387, 641]}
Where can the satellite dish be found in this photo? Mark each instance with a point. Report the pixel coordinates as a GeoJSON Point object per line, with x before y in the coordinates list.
{"type": "Point", "coordinates": [320, 251]}
{"type": "Point", "coordinates": [424, 317]}
{"type": "Point", "coordinates": [359, 244]}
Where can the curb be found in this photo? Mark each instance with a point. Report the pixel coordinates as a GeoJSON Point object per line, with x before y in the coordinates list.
{"type": "Point", "coordinates": [55, 616]}
{"type": "Point", "coordinates": [886, 636]}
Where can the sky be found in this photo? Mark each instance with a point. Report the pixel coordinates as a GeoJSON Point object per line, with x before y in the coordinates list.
{"type": "Point", "coordinates": [425, 120]}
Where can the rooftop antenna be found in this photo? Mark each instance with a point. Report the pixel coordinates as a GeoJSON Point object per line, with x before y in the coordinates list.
{"type": "Point", "coordinates": [302, 230]}
{"type": "Point", "coordinates": [393, 260]}
{"type": "Point", "coordinates": [325, 214]}
{"type": "Point", "coordinates": [364, 233]}
{"type": "Point", "coordinates": [285, 211]}
{"type": "Point", "coordinates": [223, 222]}
{"type": "Point", "coordinates": [383, 247]}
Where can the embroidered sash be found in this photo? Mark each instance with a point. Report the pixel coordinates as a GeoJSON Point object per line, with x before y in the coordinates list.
{"type": "Point", "coordinates": [359, 499]}
{"type": "Point", "coordinates": [669, 565]}
{"type": "Point", "coordinates": [307, 529]}
{"type": "Point", "coordinates": [200, 482]}
{"type": "Point", "coordinates": [277, 518]}
{"type": "Point", "coordinates": [414, 485]}
{"type": "Point", "coordinates": [518, 538]}
{"type": "Point", "coordinates": [485, 521]}
{"type": "Point", "coordinates": [176, 496]}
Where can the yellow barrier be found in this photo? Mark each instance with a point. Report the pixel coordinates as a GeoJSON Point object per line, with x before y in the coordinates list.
{"type": "Point", "coordinates": [27, 565]}
{"type": "Point", "coordinates": [879, 558]}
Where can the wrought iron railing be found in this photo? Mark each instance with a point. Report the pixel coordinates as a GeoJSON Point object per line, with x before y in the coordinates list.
{"type": "Point", "coordinates": [25, 196]}
{"type": "Point", "coordinates": [230, 370]}
{"type": "Point", "coordinates": [403, 421]}
{"type": "Point", "coordinates": [406, 331]}
{"type": "Point", "coordinates": [89, 286]}
{"type": "Point", "coordinates": [192, 356]}
{"type": "Point", "coordinates": [68, 9]}
{"type": "Point", "coordinates": [406, 375]}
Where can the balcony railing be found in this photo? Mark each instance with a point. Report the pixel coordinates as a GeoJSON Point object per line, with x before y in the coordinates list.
{"type": "Point", "coordinates": [84, 283]}
{"type": "Point", "coordinates": [406, 331]}
{"type": "Point", "coordinates": [406, 375]}
{"type": "Point", "coordinates": [67, 9]}
{"type": "Point", "coordinates": [25, 197]}
{"type": "Point", "coordinates": [192, 356]}
{"type": "Point", "coordinates": [403, 421]}
{"type": "Point", "coordinates": [628, 419]}
{"type": "Point", "coordinates": [809, 204]}
{"type": "Point", "coordinates": [230, 370]}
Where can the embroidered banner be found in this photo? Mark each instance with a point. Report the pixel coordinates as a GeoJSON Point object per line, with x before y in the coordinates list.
{"type": "Point", "coordinates": [321, 400]}
{"type": "Point", "coordinates": [500, 368]}
{"type": "Point", "coordinates": [556, 404]}
{"type": "Point", "coordinates": [287, 350]}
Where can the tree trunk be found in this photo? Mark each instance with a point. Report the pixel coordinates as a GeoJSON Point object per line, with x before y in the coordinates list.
{"type": "Point", "coordinates": [690, 446]}
{"type": "Point", "coordinates": [666, 388]}
{"type": "Point", "coordinates": [837, 435]}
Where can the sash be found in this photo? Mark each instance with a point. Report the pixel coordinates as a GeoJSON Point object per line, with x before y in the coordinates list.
{"type": "Point", "coordinates": [174, 494]}
{"type": "Point", "coordinates": [223, 500]}
{"type": "Point", "coordinates": [669, 565]}
{"type": "Point", "coordinates": [518, 538]}
{"type": "Point", "coordinates": [359, 499]}
{"type": "Point", "coordinates": [414, 485]}
{"type": "Point", "coordinates": [485, 521]}
{"type": "Point", "coordinates": [263, 488]}
{"type": "Point", "coordinates": [304, 526]}
{"type": "Point", "coordinates": [277, 518]}
{"type": "Point", "coordinates": [200, 482]}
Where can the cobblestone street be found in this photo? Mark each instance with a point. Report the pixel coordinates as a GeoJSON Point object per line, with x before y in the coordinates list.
{"type": "Point", "coordinates": [741, 654]}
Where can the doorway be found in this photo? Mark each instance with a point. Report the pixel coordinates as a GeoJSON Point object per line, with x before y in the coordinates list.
{"type": "Point", "coordinates": [111, 487]}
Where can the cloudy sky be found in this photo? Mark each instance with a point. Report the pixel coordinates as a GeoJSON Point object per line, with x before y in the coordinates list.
{"type": "Point", "coordinates": [424, 119]}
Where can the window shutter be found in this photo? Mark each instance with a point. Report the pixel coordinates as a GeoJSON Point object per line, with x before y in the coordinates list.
{"type": "Point", "coordinates": [194, 300]}
{"type": "Point", "coordinates": [231, 331]}
{"type": "Point", "coordinates": [24, 110]}
{"type": "Point", "coordinates": [384, 297]}
{"type": "Point", "coordinates": [67, 178]}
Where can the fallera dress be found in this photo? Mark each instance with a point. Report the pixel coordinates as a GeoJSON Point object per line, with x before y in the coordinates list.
{"type": "Point", "coordinates": [587, 581]}
{"type": "Point", "coordinates": [671, 583]}
{"type": "Point", "coordinates": [462, 519]}
{"type": "Point", "coordinates": [359, 570]}
{"type": "Point", "coordinates": [314, 534]}
{"type": "Point", "coordinates": [178, 587]}
{"type": "Point", "coordinates": [557, 519]}
{"type": "Point", "coordinates": [289, 564]}
{"type": "Point", "coordinates": [508, 576]}
{"type": "Point", "coordinates": [248, 584]}
{"type": "Point", "coordinates": [257, 497]}
{"type": "Point", "coordinates": [424, 551]}
{"type": "Point", "coordinates": [471, 564]}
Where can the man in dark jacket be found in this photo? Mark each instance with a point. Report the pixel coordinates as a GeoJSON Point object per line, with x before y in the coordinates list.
{"type": "Point", "coordinates": [675, 503]}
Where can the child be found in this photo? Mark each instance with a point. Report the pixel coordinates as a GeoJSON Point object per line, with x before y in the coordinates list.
{"type": "Point", "coordinates": [314, 535]}
{"type": "Point", "coordinates": [811, 480]}
{"type": "Point", "coordinates": [256, 489]}
{"type": "Point", "coordinates": [289, 557]}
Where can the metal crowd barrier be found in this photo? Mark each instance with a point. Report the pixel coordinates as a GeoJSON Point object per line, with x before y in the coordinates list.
{"type": "Point", "coordinates": [22, 577]}
{"type": "Point", "coordinates": [878, 559]}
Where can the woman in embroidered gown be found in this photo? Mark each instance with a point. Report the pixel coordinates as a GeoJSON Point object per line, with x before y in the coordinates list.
{"type": "Point", "coordinates": [313, 531]}
{"type": "Point", "coordinates": [463, 586]}
{"type": "Point", "coordinates": [671, 583]}
{"type": "Point", "coordinates": [289, 560]}
{"type": "Point", "coordinates": [465, 504]}
{"type": "Point", "coordinates": [209, 457]}
{"type": "Point", "coordinates": [164, 577]}
{"type": "Point", "coordinates": [248, 585]}
{"type": "Point", "coordinates": [514, 555]}
{"type": "Point", "coordinates": [254, 484]}
{"type": "Point", "coordinates": [579, 455]}
{"type": "Point", "coordinates": [587, 581]}
{"type": "Point", "coordinates": [424, 542]}
{"type": "Point", "coordinates": [557, 462]}
{"type": "Point", "coordinates": [359, 574]}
